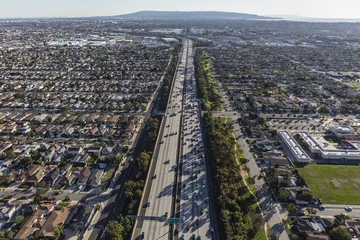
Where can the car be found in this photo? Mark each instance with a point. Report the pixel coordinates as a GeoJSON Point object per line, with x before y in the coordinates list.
{"type": "Point", "coordinates": [162, 142]}
{"type": "Point", "coordinates": [349, 209]}
{"type": "Point", "coordinates": [153, 177]}
{"type": "Point", "coordinates": [321, 207]}
{"type": "Point", "coordinates": [166, 214]}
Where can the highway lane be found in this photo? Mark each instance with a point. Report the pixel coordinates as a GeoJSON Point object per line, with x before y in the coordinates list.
{"type": "Point", "coordinates": [194, 204]}
{"type": "Point", "coordinates": [160, 184]}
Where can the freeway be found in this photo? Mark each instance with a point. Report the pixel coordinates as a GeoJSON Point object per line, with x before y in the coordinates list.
{"type": "Point", "coordinates": [194, 204]}
{"type": "Point", "coordinates": [158, 193]}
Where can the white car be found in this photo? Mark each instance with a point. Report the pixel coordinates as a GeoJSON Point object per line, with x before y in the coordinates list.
{"type": "Point", "coordinates": [349, 209]}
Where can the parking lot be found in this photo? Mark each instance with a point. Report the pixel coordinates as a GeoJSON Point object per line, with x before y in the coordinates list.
{"type": "Point", "coordinates": [313, 125]}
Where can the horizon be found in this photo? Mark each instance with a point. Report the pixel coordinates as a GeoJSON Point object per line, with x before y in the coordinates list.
{"type": "Point", "coordinates": [286, 17]}
{"type": "Point", "coordinates": [332, 9]}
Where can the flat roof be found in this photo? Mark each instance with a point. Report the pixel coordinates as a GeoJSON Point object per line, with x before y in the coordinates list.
{"type": "Point", "coordinates": [314, 145]}
{"type": "Point", "coordinates": [295, 147]}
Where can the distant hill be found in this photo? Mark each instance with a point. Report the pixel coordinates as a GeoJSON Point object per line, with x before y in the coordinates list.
{"type": "Point", "coordinates": [193, 15]}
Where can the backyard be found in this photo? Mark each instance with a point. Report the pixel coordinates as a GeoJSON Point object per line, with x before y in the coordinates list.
{"type": "Point", "coordinates": [333, 183]}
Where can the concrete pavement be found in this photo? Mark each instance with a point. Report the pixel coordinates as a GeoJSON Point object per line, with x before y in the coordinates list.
{"type": "Point", "coordinates": [158, 202]}
{"type": "Point", "coordinates": [194, 203]}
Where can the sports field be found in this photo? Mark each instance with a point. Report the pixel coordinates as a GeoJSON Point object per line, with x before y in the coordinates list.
{"type": "Point", "coordinates": [333, 184]}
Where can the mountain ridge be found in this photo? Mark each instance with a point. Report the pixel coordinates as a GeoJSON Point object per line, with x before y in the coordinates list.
{"type": "Point", "coordinates": [191, 15]}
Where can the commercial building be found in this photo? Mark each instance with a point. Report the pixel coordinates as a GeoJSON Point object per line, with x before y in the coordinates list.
{"type": "Point", "coordinates": [342, 130]}
{"type": "Point", "coordinates": [297, 151]}
{"type": "Point", "coordinates": [338, 154]}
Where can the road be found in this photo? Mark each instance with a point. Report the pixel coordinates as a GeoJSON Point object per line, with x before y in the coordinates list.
{"type": "Point", "coordinates": [194, 203]}
{"type": "Point", "coordinates": [158, 193]}
{"type": "Point", "coordinates": [271, 209]}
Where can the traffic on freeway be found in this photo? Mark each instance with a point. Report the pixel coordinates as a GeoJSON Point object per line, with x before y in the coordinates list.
{"type": "Point", "coordinates": [152, 222]}
{"type": "Point", "coordinates": [194, 204]}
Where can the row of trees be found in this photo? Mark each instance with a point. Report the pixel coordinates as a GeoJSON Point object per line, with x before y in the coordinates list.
{"type": "Point", "coordinates": [237, 217]}
{"type": "Point", "coordinates": [133, 188]}
{"type": "Point", "coordinates": [164, 92]}
{"type": "Point", "coordinates": [208, 89]}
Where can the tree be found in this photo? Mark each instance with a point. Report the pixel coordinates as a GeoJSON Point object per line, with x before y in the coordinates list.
{"type": "Point", "coordinates": [143, 161]}
{"type": "Point", "coordinates": [38, 198]}
{"type": "Point", "coordinates": [18, 219]}
{"type": "Point", "coordinates": [306, 196]}
{"type": "Point", "coordinates": [118, 158]}
{"type": "Point", "coordinates": [129, 185]}
{"type": "Point", "coordinates": [291, 208]}
{"type": "Point", "coordinates": [284, 194]}
{"type": "Point", "coordinates": [115, 230]}
{"type": "Point", "coordinates": [262, 120]}
{"type": "Point", "coordinates": [323, 109]}
{"type": "Point", "coordinates": [340, 233]}
{"type": "Point", "coordinates": [58, 231]}
{"type": "Point", "coordinates": [137, 194]}
{"type": "Point", "coordinates": [128, 194]}
{"type": "Point", "coordinates": [10, 154]}
{"type": "Point", "coordinates": [311, 211]}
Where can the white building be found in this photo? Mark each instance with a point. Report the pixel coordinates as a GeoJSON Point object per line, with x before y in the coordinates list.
{"type": "Point", "coordinates": [342, 130]}
{"type": "Point", "coordinates": [315, 147]}
{"type": "Point", "coordinates": [294, 147]}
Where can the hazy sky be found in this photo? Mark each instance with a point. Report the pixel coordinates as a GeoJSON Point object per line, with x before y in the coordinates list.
{"type": "Point", "coordinates": [74, 8]}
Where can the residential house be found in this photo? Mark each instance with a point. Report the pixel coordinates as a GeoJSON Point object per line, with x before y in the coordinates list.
{"type": "Point", "coordinates": [37, 177]}
{"type": "Point", "coordinates": [68, 179]}
{"type": "Point", "coordinates": [94, 150]}
{"type": "Point", "coordinates": [34, 223]}
{"type": "Point", "coordinates": [7, 211]}
{"type": "Point", "coordinates": [354, 225]}
{"type": "Point", "coordinates": [55, 176]}
{"type": "Point", "coordinates": [312, 225]}
{"type": "Point", "coordinates": [277, 161]}
{"type": "Point", "coordinates": [75, 150]}
{"type": "Point", "coordinates": [20, 178]}
{"type": "Point", "coordinates": [32, 170]}
{"type": "Point", "coordinates": [312, 236]}
{"type": "Point", "coordinates": [56, 220]}
{"type": "Point", "coordinates": [107, 150]}
{"type": "Point", "coordinates": [84, 176]}
{"type": "Point", "coordinates": [79, 218]}
{"type": "Point", "coordinates": [95, 177]}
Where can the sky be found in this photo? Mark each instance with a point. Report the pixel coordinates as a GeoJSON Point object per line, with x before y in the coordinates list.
{"type": "Point", "coordinates": [85, 8]}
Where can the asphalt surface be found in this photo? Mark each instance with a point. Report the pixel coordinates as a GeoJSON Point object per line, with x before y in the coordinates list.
{"type": "Point", "coordinates": [271, 209]}
{"type": "Point", "coordinates": [158, 194]}
{"type": "Point", "coordinates": [194, 203]}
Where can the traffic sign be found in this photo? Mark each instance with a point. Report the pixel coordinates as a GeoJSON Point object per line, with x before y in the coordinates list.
{"type": "Point", "coordinates": [173, 220]}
